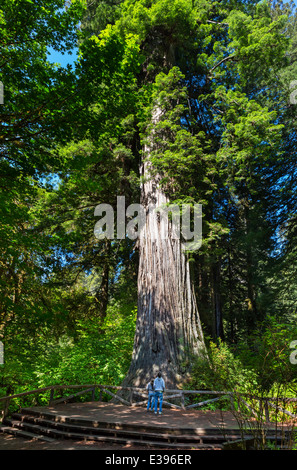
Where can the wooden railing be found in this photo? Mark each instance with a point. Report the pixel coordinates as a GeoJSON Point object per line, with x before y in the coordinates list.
{"type": "Point", "coordinates": [133, 397]}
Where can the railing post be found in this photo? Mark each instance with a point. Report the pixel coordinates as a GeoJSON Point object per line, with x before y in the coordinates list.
{"type": "Point", "coordinates": [131, 396]}
{"type": "Point", "coordinates": [182, 400]}
{"type": "Point", "coordinates": [51, 396]}
{"type": "Point", "coordinates": [6, 407]}
{"type": "Point", "coordinates": [93, 393]}
{"type": "Point", "coordinates": [232, 402]}
{"type": "Point", "coordinates": [266, 406]}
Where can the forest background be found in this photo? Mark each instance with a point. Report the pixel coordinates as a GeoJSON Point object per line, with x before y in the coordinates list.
{"type": "Point", "coordinates": [71, 139]}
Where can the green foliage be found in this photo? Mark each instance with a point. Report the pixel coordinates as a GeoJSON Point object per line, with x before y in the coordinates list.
{"type": "Point", "coordinates": [37, 97]}
{"type": "Point", "coordinates": [268, 353]}
{"type": "Point", "coordinates": [223, 372]}
{"type": "Point", "coordinates": [258, 366]}
{"type": "Point", "coordinates": [37, 94]}
{"type": "Point", "coordinates": [96, 355]}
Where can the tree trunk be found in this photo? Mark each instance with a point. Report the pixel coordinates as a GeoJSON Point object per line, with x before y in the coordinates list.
{"type": "Point", "coordinates": [219, 332]}
{"type": "Point", "coordinates": [168, 327]}
{"type": "Point", "coordinates": [103, 293]}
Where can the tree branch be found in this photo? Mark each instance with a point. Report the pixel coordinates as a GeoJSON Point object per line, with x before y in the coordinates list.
{"type": "Point", "coordinates": [216, 22]}
{"type": "Point", "coordinates": [232, 56]}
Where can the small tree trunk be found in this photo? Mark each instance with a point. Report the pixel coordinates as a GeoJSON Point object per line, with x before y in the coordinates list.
{"type": "Point", "coordinates": [219, 332]}
{"type": "Point", "coordinates": [102, 293]}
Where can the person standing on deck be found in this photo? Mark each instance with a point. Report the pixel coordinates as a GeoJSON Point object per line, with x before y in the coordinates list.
{"type": "Point", "coordinates": [151, 395]}
{"type": "Point", "coordinates": [159, 386]}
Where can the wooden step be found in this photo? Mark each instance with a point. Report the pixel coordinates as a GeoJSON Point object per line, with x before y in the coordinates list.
{"type": "Point", "coordinates": [52, 429]}
{"type": "Point", "coordinates": [17, 426]}
{"type": "Point", "coordinates": [50, 425]}
{"type": "Point", "coordinates": [163, 436]}
{"type": "Point", "coordinates": [138, 428]}
{"type": "Point", "coordinates": [26, 434]}
{"type": "Point", "coordinates": [135, 428]}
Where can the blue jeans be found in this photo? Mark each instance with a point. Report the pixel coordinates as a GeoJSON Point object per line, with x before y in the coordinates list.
{"type": "Point", "coordinates": [151, 399]}
{"type": "Point", "coordinates": [158, 395]}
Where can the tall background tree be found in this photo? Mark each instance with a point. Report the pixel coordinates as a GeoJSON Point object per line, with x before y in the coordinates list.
{"type": "Point", "coordinates": [38, 104]}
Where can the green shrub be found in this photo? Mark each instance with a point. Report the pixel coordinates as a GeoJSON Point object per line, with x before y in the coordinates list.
{"type": "Point", "coordinates": [223, 372]}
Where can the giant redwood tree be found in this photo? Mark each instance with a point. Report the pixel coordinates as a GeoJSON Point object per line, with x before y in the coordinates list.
{"type": "Point", "coordinates": [168, 327]}
{"type": "Point", "coordinates": [168, 330]}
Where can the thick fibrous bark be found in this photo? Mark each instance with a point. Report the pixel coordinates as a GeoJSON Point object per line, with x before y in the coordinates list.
{"type": "Point", "coordinates": [168, 326]}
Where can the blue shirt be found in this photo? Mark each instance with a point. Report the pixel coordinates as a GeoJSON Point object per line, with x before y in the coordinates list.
{"type": "Point", "coordinates": [159, 384]}
{"type": "Point", "coordinates": [150, 387]}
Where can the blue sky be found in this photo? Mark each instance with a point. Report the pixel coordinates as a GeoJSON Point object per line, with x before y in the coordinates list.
{"type": "Point", "coordinates": [63, 60]}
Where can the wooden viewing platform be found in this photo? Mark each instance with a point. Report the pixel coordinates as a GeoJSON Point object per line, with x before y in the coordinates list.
{"type": "Point", "coordinates": [117, 423]}
{"type": "Point", "coordinates": [181, 426]}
